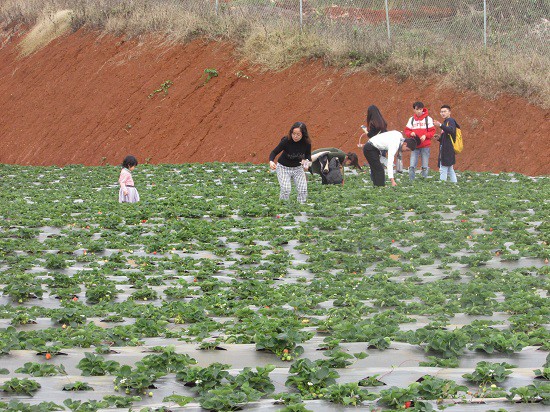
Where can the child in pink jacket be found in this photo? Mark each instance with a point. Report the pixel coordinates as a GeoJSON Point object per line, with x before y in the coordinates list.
{"type": "Point", "coordinates": [128, 193]}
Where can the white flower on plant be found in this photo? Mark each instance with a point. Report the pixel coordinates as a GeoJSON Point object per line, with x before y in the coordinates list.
{"type": "Point", "coordinates": [309, 384]}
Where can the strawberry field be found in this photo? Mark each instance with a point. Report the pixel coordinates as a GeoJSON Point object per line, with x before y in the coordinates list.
{"type": "Point", "coordinates": [211, 294]}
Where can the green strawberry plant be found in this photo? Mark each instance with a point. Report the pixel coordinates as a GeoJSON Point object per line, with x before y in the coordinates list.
{"type": "Point", "coordinates": [283, 342]}
{"type": "Point", "coordinates": [228, 398]}
{"type": "Point", "coordinates": [432, 387]}
{"type": "Point", "coordinates": [167, 361]}
{"type": "Point", "coordinates": [309, 378]}
{"type": "Point", "coordinates": [138, 380]}
{"type": "Point", "coordinates": [543, 373]}
{"type": "Point", "coordinates": [204, 379]}
{"type": "Point", "coordinates": [18, 406]}
{"type": "Point", "coordinates": [77, 386]}
{"type": "Point", "coordinates": [118, 401]}
{"type": "Point", "coordinates": [96, 365]}
{"type": "Point", "coordinates": [395, 397]}
{"type": "Point", "coordinates": [20, 386]}
{"type": "Point", "coordinates": [258, 380]}
{"type": "Point", "coordinates": [88, 406]}
{"type": "Point", "coordinates": [488, 372]}
{"type": "Point", "coordinates": [348, 394]}
{"type": "Point", "coordinates": [41, 369]}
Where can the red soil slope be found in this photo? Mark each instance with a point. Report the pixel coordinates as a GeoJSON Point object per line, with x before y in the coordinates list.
{"type": "Point", "coordinates": [84, 99]}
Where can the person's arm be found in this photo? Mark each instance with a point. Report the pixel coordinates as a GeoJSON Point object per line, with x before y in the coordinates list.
{"type": "Point", "coordinates": [449, 127]}
{"type": "Point", "coordinates": [430, 132]}
{"type": "Point", "coordinates": [122, 180]}
{"type": "Point", "coordinates": [280, 147]}
{"type": "Point", "coordinates": [373, 131]}
{"type": "Point", "coordinates": [393, 147]}
{"type": "Point", "coordinates": [365, 133]}
{"type": "Point", "coordinates": [306, 163]}
{"type": "Point", "coordinates": [408, 130]}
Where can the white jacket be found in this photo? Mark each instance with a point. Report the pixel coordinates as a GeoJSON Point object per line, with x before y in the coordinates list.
{"type": "Point", "coordinates": [390, 141]}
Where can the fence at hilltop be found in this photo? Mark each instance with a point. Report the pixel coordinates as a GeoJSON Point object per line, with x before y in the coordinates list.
{"type": "Point", "coordinates": [515, 26]}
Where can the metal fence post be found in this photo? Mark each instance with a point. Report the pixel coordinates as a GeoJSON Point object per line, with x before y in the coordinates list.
{"type": "Point", "coordinates": [485, 23]}
{"type": "Point", "coordinates": [216, 7]}
{"type": "Point", "coordinates": [301, 15]}
{"type": "Point", "coordinates": [388, 20]}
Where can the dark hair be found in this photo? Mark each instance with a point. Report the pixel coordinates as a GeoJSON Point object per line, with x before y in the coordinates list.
{"type": "Point", "coordinates": [129, 161]}
{"type": "Point", "coordinates": [418, 105]}
{"type": "Point", "coordinates": [353, 160]}
{"type": "Point", "coordinates": [411, 144]}
{"type": "Point", "coordinates": [375, 119]}
{"type": "Point", "coordinates": [446, 106]}
{"type": "Point", "coordinates": [303, 129]}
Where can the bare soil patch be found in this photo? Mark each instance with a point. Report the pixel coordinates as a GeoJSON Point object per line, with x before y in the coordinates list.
{"type": "Point", "coordinates": [83, 98]}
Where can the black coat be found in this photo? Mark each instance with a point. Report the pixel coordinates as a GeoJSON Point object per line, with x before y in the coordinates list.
{"type": "Point", "coordinates": [446, 149]}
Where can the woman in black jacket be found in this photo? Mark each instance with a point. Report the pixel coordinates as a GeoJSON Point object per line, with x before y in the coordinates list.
{"type": "Point", "coordinates": [296, 155]}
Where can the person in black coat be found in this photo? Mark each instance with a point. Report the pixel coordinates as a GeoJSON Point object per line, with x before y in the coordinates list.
{"type": "Point", "coordinates": [447, 158]}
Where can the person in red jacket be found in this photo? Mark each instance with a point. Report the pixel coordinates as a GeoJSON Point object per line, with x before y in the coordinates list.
{"type": "Point", "coordinates": [420, 127]}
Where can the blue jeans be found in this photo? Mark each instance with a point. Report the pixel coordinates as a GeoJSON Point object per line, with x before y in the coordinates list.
{"type": "Point", "coordinates": [424, 153]}
{"type": "Point", "coordinates": [444, 170]}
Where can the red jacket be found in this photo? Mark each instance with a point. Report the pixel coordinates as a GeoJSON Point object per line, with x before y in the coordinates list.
{"type": "Point", "coordinates": [422, 125]}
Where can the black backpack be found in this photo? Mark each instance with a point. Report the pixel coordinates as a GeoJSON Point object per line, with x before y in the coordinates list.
{"type": "Point", "coordinates": [331, 170]}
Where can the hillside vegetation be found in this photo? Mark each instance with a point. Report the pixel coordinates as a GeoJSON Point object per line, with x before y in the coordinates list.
{"type": "Point", "coordinates": [277, 42]}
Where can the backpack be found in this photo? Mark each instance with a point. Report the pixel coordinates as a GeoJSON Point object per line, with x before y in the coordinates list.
{"type": "Point", "coordinates": [426, 118]}
{"type": "Point", "coordinates": [458, 144]}
{"type": "Point", "coordinates": [331, 171]}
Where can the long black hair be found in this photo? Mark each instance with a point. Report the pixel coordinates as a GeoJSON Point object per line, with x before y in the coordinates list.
{"type": "Point", "coordinates": [303, 129]}
{"type": "Point", "coordinates": [129, 161]}
{"type": "Point", "coordinates": [375, 119]}
{"type": "Point", "coordinates": [353, 160]}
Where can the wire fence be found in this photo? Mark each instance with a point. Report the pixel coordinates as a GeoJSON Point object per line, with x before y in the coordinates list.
{"type": "Point", "coordinates": [517, 26]}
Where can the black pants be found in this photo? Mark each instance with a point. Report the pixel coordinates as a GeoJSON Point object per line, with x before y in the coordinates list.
{"type": "Point", "coordinates": [377, 174]}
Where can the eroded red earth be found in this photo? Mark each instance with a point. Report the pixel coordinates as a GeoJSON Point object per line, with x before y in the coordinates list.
{"type": "Point", "coordinates": [84, 99]}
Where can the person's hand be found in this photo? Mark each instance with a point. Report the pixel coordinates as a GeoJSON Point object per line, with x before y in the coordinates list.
{"type": "Point", "coordinates": [305, 164]}
{"type": "Point", "coordinates": [272, 165]}
{"type": "Point", "coordinates": [437, 123]}
{"type": "Point", "coordinates": [393, 182]}
{"type": "Point", "coordinates": [125, 192]}
{"type": "Point", "coordinates": [413, 134]}
{"type": "Point", "coordinates": [423, 137]}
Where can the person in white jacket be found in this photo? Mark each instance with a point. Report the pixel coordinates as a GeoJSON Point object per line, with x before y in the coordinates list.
{"type": "Point", "coordinates": [392, 141]}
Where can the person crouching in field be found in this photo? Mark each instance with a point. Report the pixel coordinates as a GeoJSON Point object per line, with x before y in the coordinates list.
{"type": "Point", "coordinates": [380, 140]}
{"type": "Point", "coordinates": [352, 160]}
{"type": "Point", "coordinates": [392, 141]}
{"type": "Point", "coordinates": [447, 157]}
{"type": "Point", "coordinates": [329, 163]}
{"type": "Point", "coordinates": [296, 154]}
{"type": "Point", "coordinates": [420, 127]}
{"type": "Point", "coordinates": [127, 193]}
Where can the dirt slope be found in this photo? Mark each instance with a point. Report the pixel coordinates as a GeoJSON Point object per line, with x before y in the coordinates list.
{"type": "Point", "coordinates": [84, 99]}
